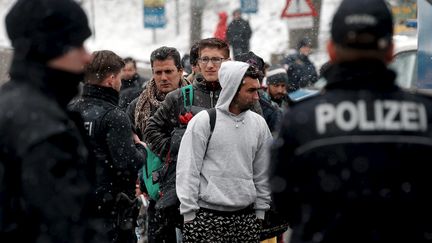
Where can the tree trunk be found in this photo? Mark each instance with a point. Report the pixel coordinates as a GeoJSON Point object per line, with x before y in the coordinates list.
{"type": "Point", "coordinates": [197, 7]}
{"type": "Point", "coordinates": [295, 35]}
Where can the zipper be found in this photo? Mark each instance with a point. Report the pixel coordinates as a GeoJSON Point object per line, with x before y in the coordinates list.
{"type": "Point", "coordinates": [211, 99]}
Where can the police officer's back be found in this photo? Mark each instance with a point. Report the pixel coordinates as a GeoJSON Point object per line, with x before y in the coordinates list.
{"type": "Point", "coordinates": [45, 178]}
{"type": "Point", "coordinates": [352, 164]}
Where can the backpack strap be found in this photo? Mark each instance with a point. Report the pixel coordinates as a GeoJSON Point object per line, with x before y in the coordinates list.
{"type": "Point", "coordinates": [212, 114]}
{"type": "Point", "coordinates": [187, 93]}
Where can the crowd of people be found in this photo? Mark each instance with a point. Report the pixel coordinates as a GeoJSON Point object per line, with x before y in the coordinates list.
{"type": "Point", "coordinates": [211, 148]}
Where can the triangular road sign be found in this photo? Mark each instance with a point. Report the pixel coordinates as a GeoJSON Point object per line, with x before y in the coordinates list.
{"type": "Point", "coordinates": [298, 8]}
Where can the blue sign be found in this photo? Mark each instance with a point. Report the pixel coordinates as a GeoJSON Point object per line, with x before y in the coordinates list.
{"type": "Point", "coordinates": [249, 6]}
{"type": "Point", "coordinates": [154, 17]}
{"type": "Point", "coordinates": [424, 44]}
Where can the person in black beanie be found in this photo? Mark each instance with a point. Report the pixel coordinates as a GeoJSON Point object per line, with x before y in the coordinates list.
{"type": "Point", "coordinates": [45, 179]}
{"type": "Point", "coordinates": [352, 164]}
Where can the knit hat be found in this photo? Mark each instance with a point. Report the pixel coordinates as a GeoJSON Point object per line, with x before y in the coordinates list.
{"type": "Point", "coordinates": [251, 59]}
{"type": "Point", "coordinates": [365, 24]}
{"type": "Point", "coordinates": [277, 74]}
{"type": "Point", "coordinates": [41, 30]}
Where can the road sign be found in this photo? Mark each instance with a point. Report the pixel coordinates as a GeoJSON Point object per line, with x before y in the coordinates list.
{"type": "Point", "coordinates": [154, 14]}
{"type": "Point", "coordinates": [303, 22]}
{"type": "Point", "coordinates": [249, 6]}
{"type": "Point", "coordinates": [298, 8]}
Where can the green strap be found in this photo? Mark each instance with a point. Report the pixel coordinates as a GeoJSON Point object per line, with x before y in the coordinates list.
{"type": "Point", "coordinates": [187, 92]}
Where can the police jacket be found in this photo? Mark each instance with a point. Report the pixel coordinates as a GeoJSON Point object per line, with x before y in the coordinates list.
{"type": "Point", "coordinates": [45, 178]}
{"type": "Point", "coordinates": [353, 164]}
{"type": "Point", "coordinates": [117, 158]}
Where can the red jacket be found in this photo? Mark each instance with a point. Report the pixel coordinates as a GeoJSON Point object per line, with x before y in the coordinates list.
{"type": "Point", "coordinates": [221, 28]}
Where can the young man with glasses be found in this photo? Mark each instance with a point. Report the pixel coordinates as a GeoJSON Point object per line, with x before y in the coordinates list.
{"type": "Point", "coordinates": [164, 129]}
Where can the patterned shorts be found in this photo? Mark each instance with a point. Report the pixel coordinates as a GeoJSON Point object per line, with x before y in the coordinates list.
{"type": "Point", "coordinates": [211, 226]}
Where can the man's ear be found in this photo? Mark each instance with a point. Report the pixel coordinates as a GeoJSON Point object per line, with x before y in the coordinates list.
{"type": "Point", "coordinates": [331, 50]}
{"type": "Point", "coordinates": [109, 81]}
{"type": "Point", "coordinates": [389, 55]}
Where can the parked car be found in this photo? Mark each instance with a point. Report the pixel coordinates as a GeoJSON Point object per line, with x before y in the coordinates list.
{"type": "Point", "coordinates": [404, 64]}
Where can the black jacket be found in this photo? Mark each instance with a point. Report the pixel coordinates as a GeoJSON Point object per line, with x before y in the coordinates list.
{"type": "Point", "coordinates": [159, 130]}
{"type": "Point", "coordinates": [238, 33]}
{"type": "Point", "coordinates": [130, 89]}
{"type": "Point", "coordinates": [117, 158]}
{"type": "Point", "coordinates": [45, 178]}
{"type": "Point", "coordinates": [354, 164]}
{"type": "Point", "coordinates": [271, 111]}
{"type": "Point", "coordinates": [301, 72]}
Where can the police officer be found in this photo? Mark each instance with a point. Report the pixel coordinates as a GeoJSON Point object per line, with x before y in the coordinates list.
{"type": "Point", "coordinates": [352, 164]}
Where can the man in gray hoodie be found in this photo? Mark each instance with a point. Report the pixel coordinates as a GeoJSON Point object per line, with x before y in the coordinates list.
{"type": "Point", "coordinates": [223, 185]}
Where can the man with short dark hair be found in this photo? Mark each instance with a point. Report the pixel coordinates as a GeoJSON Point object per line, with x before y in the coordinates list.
{"type": "Point", "coordinates": [167, 76]}
{"type": "Point", "coordinates": [132, 83]}
{"type": "Point", "coordinates": [45, 178]}
{"type": "Point", "coordinates": [352, 164]}
{"type": "Point", "coordinates": [222, 179]}
{"type": "Point", "coordinates": [116, 155]}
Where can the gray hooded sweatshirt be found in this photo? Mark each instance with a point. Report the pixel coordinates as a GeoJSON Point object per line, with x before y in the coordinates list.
{"type": "Point", "coordinates": [233, 174]}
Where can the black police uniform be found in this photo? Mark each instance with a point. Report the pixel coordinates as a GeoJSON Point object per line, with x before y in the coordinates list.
{"type": "Point", "coordinates": [353, 164]}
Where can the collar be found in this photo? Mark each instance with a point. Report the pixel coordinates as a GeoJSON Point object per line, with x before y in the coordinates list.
{"type": "Point", "coordinates": [206, 86]}
{"type": "Point", "coordinates": [361, 74]}
{"type": "Point", "coordinates": [59, 85]}
{"type": "Point", "coordinates": [99, 92]}
{"type": "Point", "coordinates": [127, 83]}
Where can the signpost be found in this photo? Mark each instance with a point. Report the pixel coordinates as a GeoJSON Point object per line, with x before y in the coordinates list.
{"type": "Point", "coordinates": [424, 53]}
{"type": "Point", "coordinates": [299, 13]}
{"type": "Point", "coordinates": [154, 15]}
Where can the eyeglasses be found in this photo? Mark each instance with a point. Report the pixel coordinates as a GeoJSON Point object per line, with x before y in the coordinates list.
{"type": "Point", "coordinates": [214, 60]}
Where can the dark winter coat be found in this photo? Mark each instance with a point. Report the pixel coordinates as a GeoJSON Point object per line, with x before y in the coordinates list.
{"type": "Point", "coordinates": [45, 179]}
{"type": "Point", "coordinates": [130, 112]}
{"type": "Point", "coordinates": [238, 34]}
{"type": "Point", "coordinates": [160, 126]}
{"type": "Point", "coordinates": [301, 72]}
{"type": "Point", "coordinates": [130, 89]}
{"type": "Point", "coordinates": [271, 111]}
{"type": "Point", "coordinates": [354, 164]}
{"type": "Point", "coordinates": [117, 158]}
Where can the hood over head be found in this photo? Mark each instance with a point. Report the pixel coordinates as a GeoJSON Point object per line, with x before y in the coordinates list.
{"type": "Point", "coordinates": [223, 16]}
{"type": "Point", "coordinates": [230, 77]}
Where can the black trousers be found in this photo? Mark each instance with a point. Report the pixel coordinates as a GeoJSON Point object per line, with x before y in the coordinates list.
{"type": "Point", "coordinates": [162, 224]}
